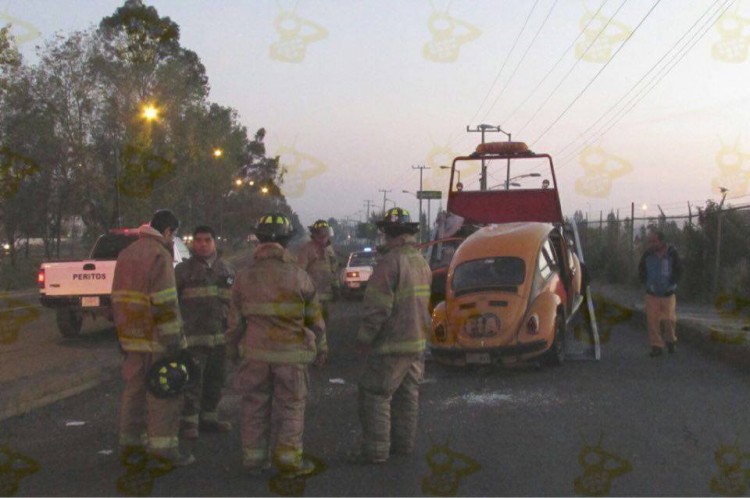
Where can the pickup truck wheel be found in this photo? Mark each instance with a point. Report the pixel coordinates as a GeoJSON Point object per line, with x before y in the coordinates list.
{"type": "Point", "coordinates": [69, 322]}
{"type": "Point", "coordinates": [556, 354]}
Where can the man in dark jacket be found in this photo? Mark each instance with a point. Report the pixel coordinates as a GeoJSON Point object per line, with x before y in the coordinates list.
{"type": "Point", "coordinates": [660, 270]}
{"type": "Point", "coordinates": [204, 285]}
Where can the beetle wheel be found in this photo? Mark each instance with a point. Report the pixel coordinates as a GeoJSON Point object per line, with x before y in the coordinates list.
{"type": "Point", "coordinates": [556, 352]}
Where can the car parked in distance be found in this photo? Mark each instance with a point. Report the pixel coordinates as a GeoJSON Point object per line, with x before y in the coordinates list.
{"type": "Point", "coordinates": [357, 272]}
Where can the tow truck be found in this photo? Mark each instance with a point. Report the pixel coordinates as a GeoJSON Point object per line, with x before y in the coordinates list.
{"type": "Point", "coordinates": [514, 289]}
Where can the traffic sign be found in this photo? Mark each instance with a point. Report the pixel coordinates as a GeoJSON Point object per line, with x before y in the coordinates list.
{"type": "Point", "coordinates": [429, 194]}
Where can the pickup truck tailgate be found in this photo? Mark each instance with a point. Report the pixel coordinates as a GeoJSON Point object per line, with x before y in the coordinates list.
{"type": "Point", "coordinates": [78, 278]}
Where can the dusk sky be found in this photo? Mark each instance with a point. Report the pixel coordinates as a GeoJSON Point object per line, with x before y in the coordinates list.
{"type": "Point", "coordinates": [655, 110]}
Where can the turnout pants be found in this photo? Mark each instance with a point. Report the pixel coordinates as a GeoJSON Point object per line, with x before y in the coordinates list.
{"type": "Point", "coordinates": [389, 403]}
{"type": "Point", "coordinates": [662, 318]}
{"type": "Point", "coordinates": [275, 391]}
{"type": "Point", "coordinates": [202, 398]}
{"type": "Point", "coordinates": [146, 420]}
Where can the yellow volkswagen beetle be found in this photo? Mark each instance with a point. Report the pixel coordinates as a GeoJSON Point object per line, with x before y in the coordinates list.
{"type": "Point", "coordinates": [514, 285]}
{"type": "Point", "coordinates": [509, 292]}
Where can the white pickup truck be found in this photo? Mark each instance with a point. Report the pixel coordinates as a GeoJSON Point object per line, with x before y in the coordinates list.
{"type": "Point", "coordinates": [78, 288]}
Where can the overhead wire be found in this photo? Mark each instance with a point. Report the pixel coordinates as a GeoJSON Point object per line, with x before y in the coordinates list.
{"type": "Point", "coordinates": [502, 67]}
{"type": "Point", "coordinates": [572, 68]}
{"type": "Point", "coordinates": [663, 72]}
{"type": "Point", "coordinates": [592, 80]}
{"type": "Point", "coordinates": [554, 66]}
{"type": "Point", "coordinates": [523, 57]}
{"type": "Point", "coordinates": [645, 75]}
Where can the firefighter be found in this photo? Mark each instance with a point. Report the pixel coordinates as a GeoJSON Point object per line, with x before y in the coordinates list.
{"type": "Point", "coordinates": [318, 259]}
{"type": "Point", "coordinates": [149, 328]}
{"type": "Point", "coordinates": [392, 337]}
{"type": "Point", "coordinates": [275, 330]}
{"type": "Point", "coordinates": [204, 288]}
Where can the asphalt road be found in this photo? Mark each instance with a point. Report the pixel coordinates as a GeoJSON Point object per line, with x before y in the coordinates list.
{"type": "Point", "coordinates": [627, 425]}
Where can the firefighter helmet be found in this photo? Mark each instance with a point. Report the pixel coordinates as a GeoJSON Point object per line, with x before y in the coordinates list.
{"type": "Point", "coordinates": [321, 226]}
{"type": "Point", "coordinates": [169, 376]}
{"type": "Point", "coordinates": [274, 227]}
{"type": "Point", "coordinates": [397, 218]}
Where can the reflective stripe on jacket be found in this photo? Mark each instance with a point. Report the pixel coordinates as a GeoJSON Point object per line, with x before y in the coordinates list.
{"type": "Point", "coordinates": [396, 317]}
{"type": "Point", "coordinates": [321, 264]}
{"type": "Point", "coordinates": [144, 296]}
{"type": "Point", "coordinates": [275, 316]}
{"type": "Point", "coordinates": [204, 292]}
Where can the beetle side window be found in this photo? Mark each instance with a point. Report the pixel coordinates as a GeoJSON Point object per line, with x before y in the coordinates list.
{"type": "Point", "coordinates": [547, 263]}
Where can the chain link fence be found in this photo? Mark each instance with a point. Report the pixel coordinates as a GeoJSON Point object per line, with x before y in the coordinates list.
{"type": "Point", "coordinates": [714, 245]}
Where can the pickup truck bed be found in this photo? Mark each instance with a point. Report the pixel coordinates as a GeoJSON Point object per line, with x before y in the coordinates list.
{"type": "Point", "coordinates": [76, 288]}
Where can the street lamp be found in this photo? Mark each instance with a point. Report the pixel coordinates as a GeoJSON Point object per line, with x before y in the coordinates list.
{"type": "Point", "coordinates": [150, 112]}
{"type": "Point", "coordinates": [218, 153]}
{"type": "Point", "coordinates": [238, 182]}
{"type": "Point", "coordinates": [458, 171]}
{"type": "Point", "coordinates": [518, 177]}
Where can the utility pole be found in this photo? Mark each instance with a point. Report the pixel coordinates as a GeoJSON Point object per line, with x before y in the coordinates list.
{"type": "Point", "coordinates": [421, 169]}
{"type": "Point", "coordinates": [368, 203]}
{"type": "Point", "coordinates": [484, 128]}
{"type": "Point", "coordinates": [384, 198]}
{"type": "Point", "coordinates": [717, 267]}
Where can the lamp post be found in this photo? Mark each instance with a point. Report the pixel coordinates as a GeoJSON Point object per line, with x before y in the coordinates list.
{"type": "Point", "coordinates": [483, 128]}
{"type": "Point", "coordinates": [717, 266]}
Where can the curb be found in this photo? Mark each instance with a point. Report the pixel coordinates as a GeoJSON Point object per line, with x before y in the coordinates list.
{"type": "Point", "coordinates": [31, 393]}
{"type": "Point", "coordinates": [701, 336]}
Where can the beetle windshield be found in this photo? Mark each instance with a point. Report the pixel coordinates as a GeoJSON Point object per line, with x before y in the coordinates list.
{"type": "Point", "coordinates": [502, 273]}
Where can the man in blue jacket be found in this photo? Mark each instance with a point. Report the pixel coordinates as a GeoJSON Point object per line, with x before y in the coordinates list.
{"type": "Point", "coordinates": [660, 270]}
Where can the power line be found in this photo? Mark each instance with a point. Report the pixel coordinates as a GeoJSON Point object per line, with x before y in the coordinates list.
{"type": "Point", "coordinates": [606, 64]}
{"type": "Point", "coordinates": [664, 71]}
{"type": "Point", "coordinates": [507, 57]}
{"type": "Point", "coordinates": [554, 66]}
{"type": "Point", "coordinates": [523, 57]}
{"type": "Point", "coordinates": [645, 75]}
{"type": "Point", "coordinates": [572, 68]}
